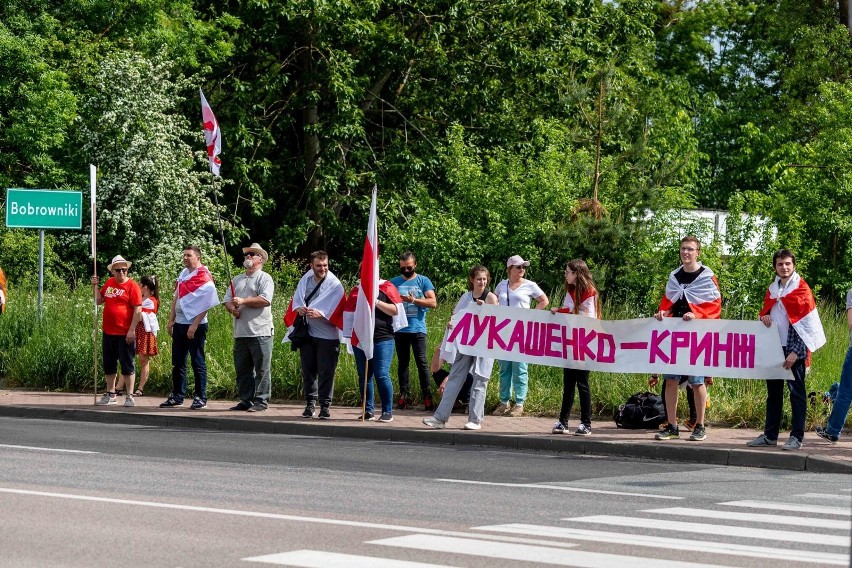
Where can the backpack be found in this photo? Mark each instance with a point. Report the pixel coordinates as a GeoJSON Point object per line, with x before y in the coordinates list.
{"type": "Point", "coordinates": [642, 410]}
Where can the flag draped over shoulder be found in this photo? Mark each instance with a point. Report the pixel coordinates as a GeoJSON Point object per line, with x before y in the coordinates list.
{"type": "Point", "coordinates": [196, 291]}
{"type": "Point", "coordinates": [798, 301]}
{"type": "Point", "coordinates": [326, 301]}
{"type": "Point", "coordinates": [364, 322]}
{"type": "Point", "coordinates": [212, 135]}
{"type": "Point", "coordinates": [345, 318]}
{"type": "Point", "coordinates": [703, 295]}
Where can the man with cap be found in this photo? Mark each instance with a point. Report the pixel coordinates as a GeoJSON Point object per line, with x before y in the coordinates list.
{"type": "Point", "coordinates": [318, 295]}
{"type": "Point", "coordinates": [122, 301]}
{"type": "Point", "coordinates": [249, 300]}
{"type": "Point", "coordinates": [516, 292]}
{"type": "Point", "coordinates": [195, 293]}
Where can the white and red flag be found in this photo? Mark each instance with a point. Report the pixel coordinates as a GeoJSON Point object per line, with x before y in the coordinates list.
{"type": "Point", "coordinates": [196, 291]}
{"type": "Point", "coordinates": [798, 301]}
{"type": "Point", "coordinates": [212, 135]}
{"type": "Point", "coordinates": [364, 322]}
{"type": "Point", "coordinates": [703, 295]}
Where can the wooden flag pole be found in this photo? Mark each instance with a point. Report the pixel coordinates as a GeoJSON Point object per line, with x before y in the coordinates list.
{"type": "Point", "coordinates": [93, 173]}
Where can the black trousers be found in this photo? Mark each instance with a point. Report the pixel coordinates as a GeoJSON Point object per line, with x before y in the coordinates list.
{"type": "Point", "coordinates": [405, 344]}
{"type": "Point", "coordinates": [319, 362]}
{"type": "Point", "coordinates": [572, 378]}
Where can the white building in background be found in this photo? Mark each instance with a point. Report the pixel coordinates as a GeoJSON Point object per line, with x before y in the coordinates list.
{"type": "Point", "coordinates": [711, 225]}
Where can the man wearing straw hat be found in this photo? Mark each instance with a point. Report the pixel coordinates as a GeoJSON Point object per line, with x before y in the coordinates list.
{"type": "Point", "coordinates": [122, 301]}
{"type": "Point", "coordinates": [249, 300]}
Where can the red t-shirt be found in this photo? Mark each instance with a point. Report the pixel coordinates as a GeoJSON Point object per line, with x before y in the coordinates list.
{"type": "Point", "coordinates": [119, 303]}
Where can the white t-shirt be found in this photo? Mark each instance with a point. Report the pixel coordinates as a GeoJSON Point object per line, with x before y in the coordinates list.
{"type": "Point", "coordinates": [520, 297]}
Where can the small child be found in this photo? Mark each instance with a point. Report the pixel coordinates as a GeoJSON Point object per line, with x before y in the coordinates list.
{"type": "Point", "coordinates": [146, 329]}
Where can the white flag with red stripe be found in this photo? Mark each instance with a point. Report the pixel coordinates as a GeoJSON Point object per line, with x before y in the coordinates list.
{"type": "Point", "coordinates": [800, 305]}
{"type": "Point", "coordinates": [212, 135]}
{"type": "Point", "coordinates": [196, 291]}
{"type": "Point", "coordinates": [368, 292]}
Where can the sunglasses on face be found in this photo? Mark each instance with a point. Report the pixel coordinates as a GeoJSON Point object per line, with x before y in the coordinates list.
{"type": "Point", "coordinates": [119, 270]}
{"type": "Point", "coordinates": [251, 254]}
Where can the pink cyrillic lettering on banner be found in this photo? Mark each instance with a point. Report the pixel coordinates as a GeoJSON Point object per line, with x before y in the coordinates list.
{"type": "Point", "coordinates": [494, 330]}
{"type": "Point", "coordinates": [463, 327]}
{"type": "Point", "coordinates": [606, 340]}
{"type": "Point", "coordinates": [479, 327]}
{"type": "Point", "coordinates": [680, 339]}
{"type": "Point", "coordinates": [584, 338]}
{"type": "Point", "coordinates": [720, 347]}
{"type": "Point", "coordinates": [700, 347]}
{"type": "Point", "coordinates": [658, 337]}
{"type": "Point", "coordinates": [533, 344]}
{"type": "Point", "coordinates": [568, 341]}
{"type": "Point", "coordinates": [516, 340]}
{"type": "Point", "coordinates": [746, 350]}
{"type": "Point", "coordinates": [552, 337]}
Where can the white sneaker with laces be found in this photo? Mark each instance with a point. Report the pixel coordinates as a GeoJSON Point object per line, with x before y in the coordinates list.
{"type": "Point", "coordinates": [128, 401]}
{"type": "Point", "coordinates": [107, 400]}
{"type": "Point", "coordinates": [473, 426]}
{"type": "Point", "coordinates": [792, 444]}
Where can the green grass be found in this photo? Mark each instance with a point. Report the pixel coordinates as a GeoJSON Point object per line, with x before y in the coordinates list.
{"type": "Point", "coordinates": [56, 355]}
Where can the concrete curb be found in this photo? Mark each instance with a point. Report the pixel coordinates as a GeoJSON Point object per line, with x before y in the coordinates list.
{"type": "Point", "coordinates": [795, 461]}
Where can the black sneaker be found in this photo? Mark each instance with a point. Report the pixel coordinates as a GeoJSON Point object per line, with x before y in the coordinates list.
{"type": "Point", "coordinates": [367, 416]}
{"type": "Point", "coordinates": [309, 410]}
{"type": "Point", "coordinates": [198, 404]}
{"type": "Point", "coordinates": [698, 433]}
{"type": "Point", "coordinates": [240, 406]}
{"type": "Point", "coordinates": [670, 433]}
{"type": "Point", "coordinates": [171, 401]}
{"type": "Point", "coordinates": [324, 413]}
{"type": "Point", "coordinates": [823, 433]}
{"type": "Point", "coordinates": [386, 417]}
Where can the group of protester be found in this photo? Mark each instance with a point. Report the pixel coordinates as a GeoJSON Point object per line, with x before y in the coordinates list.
{"type": "Point", "coordinates": [326, 313]}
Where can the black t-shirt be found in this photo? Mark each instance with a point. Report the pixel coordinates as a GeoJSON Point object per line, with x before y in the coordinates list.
{"type": "Point", "coordinates": [684, 278]}
{"type": "Point", "coordinates": [384, 322]}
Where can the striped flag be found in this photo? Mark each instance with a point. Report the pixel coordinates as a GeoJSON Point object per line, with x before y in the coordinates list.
{"type": "Point", "coordinates": [368, 291]}
{"type": "Point", "coordinates": [196, 291]}
{"type": "Point", "coordinates": [798, 301]}
{"type": "Point", "coordinates": [703, 295]}
{"type": "Point", "coordinates": [212, 135]}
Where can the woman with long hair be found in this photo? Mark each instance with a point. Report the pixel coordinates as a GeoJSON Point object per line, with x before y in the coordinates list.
{"type": "Point", "coordinates": [463, 365]}
{"type": "Point", "coordinates": [581, 298]}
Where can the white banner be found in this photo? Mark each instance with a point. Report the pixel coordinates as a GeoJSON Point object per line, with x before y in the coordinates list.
{"type": "Point", "coordinates": [713, 348]}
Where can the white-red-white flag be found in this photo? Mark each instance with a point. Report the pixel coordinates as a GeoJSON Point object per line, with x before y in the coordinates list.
{"type": "Point", "coordinates": [212, 135]}
{"type": "Point", "coordinates": [368, 291]}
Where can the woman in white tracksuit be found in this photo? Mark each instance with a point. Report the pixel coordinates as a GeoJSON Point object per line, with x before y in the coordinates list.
{"type": "Point", "coordinates": [479, 367]}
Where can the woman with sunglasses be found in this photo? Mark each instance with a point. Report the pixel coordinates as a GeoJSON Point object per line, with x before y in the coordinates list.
{"type": "Point", "coordinates": [516, 292]}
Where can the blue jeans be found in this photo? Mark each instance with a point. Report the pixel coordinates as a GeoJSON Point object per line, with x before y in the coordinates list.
{"type": "Point", "coordinates": [513, 374]}
{"type": "Point", "coordinates": [181, 347]}
{"type": "Point", "coordinates": [837, 418]}
{"type": "Point", "coordinates": [379, 369]}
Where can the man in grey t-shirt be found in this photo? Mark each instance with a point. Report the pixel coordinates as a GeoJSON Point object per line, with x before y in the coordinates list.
{"type": "Point", "coordinates": [249, 300]}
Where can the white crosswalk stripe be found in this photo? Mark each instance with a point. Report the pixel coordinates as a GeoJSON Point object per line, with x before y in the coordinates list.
{"type": "Point", "coordinates": [525, 552]}
{"type": "Point", "coordinates": [722, 530]}
{"type": "Point", "coordinates": [752, 517]}
{"type": "Point", "coordinates": [794, 507]}
{"type": "Point", "coordinates": [312, 558]}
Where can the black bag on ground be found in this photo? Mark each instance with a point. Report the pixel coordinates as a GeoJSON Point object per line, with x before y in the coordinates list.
{"type": "Point", "coordinates": [642, 410]}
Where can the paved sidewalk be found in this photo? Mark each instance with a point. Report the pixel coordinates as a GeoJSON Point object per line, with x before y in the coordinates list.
{"type": "Point", "coordinates": [723, 446]}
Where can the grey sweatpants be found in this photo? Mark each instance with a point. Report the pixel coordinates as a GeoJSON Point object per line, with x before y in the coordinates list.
{"type": "Point", "coordinates": [463, 365]}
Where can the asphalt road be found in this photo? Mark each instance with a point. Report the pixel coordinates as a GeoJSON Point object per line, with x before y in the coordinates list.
{"type": "Point", "coordinates": [80, 494]}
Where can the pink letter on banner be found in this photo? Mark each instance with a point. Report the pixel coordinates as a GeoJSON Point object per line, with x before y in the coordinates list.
{"type": "Point", "coordinates": [584, 338]}
{"type": "Point", "coordinates": [726, 348]}
{"type": "Point", "coordinates": [606, 340]}
{"type": "Point", "coordinates": [494, 333]}
{"type": "Point", "coordinates": [680, 339]}
{"type": "Point", "coordinates": [463, 325]}
{"type": "Point", "coordinates": [658, 337]}
{"type": "Point", "coordinates": [552, 337]}
{"type": "Point", "coordinates": [533, 344]}
{"type": "Point", "coordinates": [479, 327]}
{"type": "Point", "coordinates": [516, 340]}
{"type": "Point", "coordinates": [700, 347]}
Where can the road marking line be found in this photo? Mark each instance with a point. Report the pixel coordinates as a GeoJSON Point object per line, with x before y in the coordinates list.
{"type": "Point", "coordinates": [819, 509]}
{"type": "Point", "coordinates": [722, 530]}
{"type": "Point", "coordinates": [539, 554]}
{"type": "Point", "coordinates": [276, 516]}
{"type": "Point", "coordinates": [41, 449]}
{"type": "Point", "coordinates": [560, 488]}
{"type": "Point", "coordinates": [753, 517]}
{"type": "Point", "coordinates": [312, 558]}
{"type": "Point", "coordinates": [825, 496]}
{"type": "Point", "coordinates": [628, 539]}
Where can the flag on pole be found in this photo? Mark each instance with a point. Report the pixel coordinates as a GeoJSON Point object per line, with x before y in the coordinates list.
{"type": "Point", "coordinates": [368, 290]}
{"type": "Point", "coordinates": [212, 135]}
{"type": "Point", "coordinates": [93, 176]}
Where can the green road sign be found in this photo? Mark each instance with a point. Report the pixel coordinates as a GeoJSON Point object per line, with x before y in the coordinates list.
{"type": "Point", "coordinates": [44, 209]}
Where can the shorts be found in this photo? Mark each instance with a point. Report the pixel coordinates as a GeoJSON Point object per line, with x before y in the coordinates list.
{"type": "Point", "coordinates": [116, 350]}
{"type": "Point", "coordinates": [691, 379]}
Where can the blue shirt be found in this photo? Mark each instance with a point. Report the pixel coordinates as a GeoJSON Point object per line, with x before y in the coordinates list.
{"type": "Point", "coordinates": [417, 287]}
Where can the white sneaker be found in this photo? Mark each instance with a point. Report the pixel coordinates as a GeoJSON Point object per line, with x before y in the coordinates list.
{"type": "Point", "coordinates": [106, 400]}
{"type": "Point", "coordinates": [473, 426]}
{"type": "Point", "coordinates": [433, 422]}
{"type": "Point", "coordinates": [792, 444]}
{"type": "Point", "coordinates": [128, 401]}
